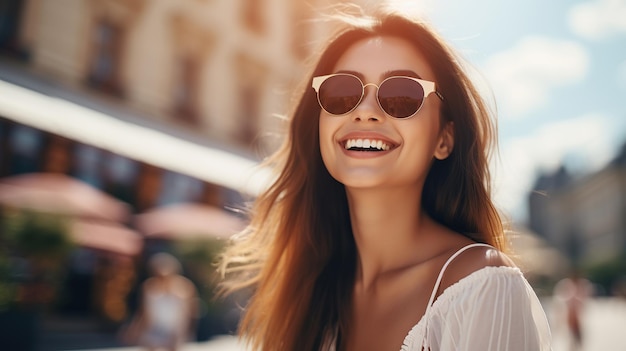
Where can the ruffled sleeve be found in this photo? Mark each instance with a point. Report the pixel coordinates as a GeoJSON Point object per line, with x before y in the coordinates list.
{"type": "Point", "coordinates": [492, 309]}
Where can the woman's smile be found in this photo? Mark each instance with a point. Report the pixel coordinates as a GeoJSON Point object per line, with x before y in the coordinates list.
{"type": "Point", "coordinates": [366, 145]}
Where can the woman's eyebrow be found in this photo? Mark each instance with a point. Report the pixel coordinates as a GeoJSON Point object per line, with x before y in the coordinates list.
{"type": "Point", "coordinates": [354, 73]}
{"type": "Point", "coordinates": [401, 72]}
{"type": "Point", "coordinates": [387, 74]}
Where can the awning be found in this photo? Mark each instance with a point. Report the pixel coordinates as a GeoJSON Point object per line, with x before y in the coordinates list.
{"type": "Point", "coordinates": [88, 126]}
{"type": "Point", "coordinates": [61, 194]}
{"type": "Point", "coordinates": [188, 221]}
{"type": "Point", "coordinates": [111, 237]}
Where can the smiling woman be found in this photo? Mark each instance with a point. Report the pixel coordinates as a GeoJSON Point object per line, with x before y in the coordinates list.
{"type": "Point", "coordinates": [379, 232]}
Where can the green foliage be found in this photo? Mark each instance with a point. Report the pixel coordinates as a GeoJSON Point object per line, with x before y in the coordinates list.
{"type": "Point", "coordinates": [198, 257]}
{"type": "Point", "coordinates": [33, 249]}
{"type": "Point", "coordinates": [7, 287]}
{"type": "Point", "coordinates": [202, 251]}
{"type": "Point", "coordinates": [606, 273]}
{"type": "Point", "coordinates": [33, 234]}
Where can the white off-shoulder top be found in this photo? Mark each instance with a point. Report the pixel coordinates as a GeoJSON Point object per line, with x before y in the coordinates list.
{"type": "Point", "coordinates": [492, 309]}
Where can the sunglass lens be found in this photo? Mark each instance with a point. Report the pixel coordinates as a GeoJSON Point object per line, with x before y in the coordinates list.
{"type": "Point", "coordinates": [400, 97]}
{"type": "Point", "coordinates": [340, 94]}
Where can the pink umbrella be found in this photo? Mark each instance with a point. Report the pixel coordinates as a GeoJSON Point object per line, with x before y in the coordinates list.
{"type": "Point", "coordinates": [109, 237]}
{"type": "Point", "coordinates": [59, 193]}
{"type": "Point", "coordinates": [187, 221]}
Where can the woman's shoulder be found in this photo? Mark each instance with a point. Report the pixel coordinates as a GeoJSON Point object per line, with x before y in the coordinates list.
{"type": "Point", "coordinates": [469, 258]}
{"type": "Point", "coordinates": [479, 300]}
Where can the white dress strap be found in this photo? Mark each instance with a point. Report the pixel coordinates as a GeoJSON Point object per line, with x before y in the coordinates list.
{"type": "Point", "coordinates": [443, 270]}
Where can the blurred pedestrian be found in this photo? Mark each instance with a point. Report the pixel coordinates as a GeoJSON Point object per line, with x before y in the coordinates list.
{"type": "Point", "coordinates": [378, 232]}
{"type": "Point", "coordinates": [168, 307]}
{"type": "Point", "coordinates": [570, 296]}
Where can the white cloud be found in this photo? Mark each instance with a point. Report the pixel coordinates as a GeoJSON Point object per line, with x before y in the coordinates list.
{"type": "Point", "coordinates": [523, 76]}
{"type": "Point", "coordinates": [585, 144]}
{"type": "Point", "coordinates": [598, 19]}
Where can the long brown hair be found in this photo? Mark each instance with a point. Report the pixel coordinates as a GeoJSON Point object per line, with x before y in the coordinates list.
{"type": "Point", "coordinates": [298, 252]}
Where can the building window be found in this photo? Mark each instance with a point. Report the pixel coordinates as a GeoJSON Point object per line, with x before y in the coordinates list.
{"type": "Point", "coordinates": [105, 67]}
{"type": "Point", "coordinates": [10, 16]}
{"type": "Point", "coordinates": [252, 77]}
{"type": "Point", "coordinates": [186, 90]}
{"type": "Point", "coordinates": [149, 186]}
{"type": "Point", "coordinates": [121, 177]}
{"type": "Point", "coordinates": [88, 165]}
{"type": "Point", "coordinates": [179, 188]}
{"type": "Point", "coordinates": [253, 15]}
{"type": "Point", "coordinates": [26, 145]}
{"type": "Point", "coordinates": [58, 154]}
{"type": "Point", "coordinates": [4, 147]}
{"type": "Point", "coordinates": [249, 126]}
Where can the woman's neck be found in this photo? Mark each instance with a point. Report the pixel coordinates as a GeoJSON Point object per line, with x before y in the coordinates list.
{"type": "Point", "coordinates": [388, 227]}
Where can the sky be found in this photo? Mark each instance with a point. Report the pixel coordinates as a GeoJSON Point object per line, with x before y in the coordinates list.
{"type": "Point", "coordinates": [557, 73]}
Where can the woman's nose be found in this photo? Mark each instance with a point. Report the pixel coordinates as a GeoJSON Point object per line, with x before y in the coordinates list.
{"type": "Point", "coordinates": [368, 109]}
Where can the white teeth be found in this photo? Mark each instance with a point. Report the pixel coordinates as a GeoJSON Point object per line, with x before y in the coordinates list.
{"type": "Point", "coordinates": [366, 144]}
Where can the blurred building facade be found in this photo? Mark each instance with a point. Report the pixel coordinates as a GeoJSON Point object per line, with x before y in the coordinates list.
{"type": "Point", "coordinates": [214, 73]}
{"type": "Point", "coordinates": [585, 218]}
{"type": "Point", "coordinates": [210, 70]}
{"type": "Point", "coordinates": [212, 66]}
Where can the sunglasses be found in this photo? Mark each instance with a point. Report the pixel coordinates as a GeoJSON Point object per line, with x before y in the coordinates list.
{"type": "Point", "coordinates": [399, 96]}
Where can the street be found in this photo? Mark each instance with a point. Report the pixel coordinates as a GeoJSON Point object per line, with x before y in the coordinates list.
{"type": "Point", "coordinates": [604, 329]}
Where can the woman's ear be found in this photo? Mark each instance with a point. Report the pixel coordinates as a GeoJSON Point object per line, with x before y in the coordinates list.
{"type": "Point", "coordinates": [446, 142]}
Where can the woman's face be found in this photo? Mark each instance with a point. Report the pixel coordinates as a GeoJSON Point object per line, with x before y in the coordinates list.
{"type": "Point", "coordinates": [412, 142]}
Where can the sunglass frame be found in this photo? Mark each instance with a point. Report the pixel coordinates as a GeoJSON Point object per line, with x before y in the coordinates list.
{"type": "Point", "coordinates": [427, 86]}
